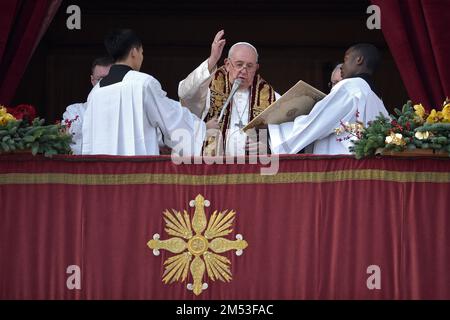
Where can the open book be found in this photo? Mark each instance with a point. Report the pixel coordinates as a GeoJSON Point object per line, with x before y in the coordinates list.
{"type": "Point", "coordinates": [298, 100]}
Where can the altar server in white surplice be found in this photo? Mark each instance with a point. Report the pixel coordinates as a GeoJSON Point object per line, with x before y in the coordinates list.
{"type": "Point", "coordinates": [205, 90]}
{"type": "Point", "coordinates": [354, 94]}
{"type": "Point", "coordinates": [127, 107]}
{"type": "Point", "coordinates": [73, 116]}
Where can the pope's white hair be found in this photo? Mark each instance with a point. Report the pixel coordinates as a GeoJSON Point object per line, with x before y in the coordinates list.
{"type": "Point", "coordinates": [336, 69]}
{"type": "Point", "coordinates": [230, 52]}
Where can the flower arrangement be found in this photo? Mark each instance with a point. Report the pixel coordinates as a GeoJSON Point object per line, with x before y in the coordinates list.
{"type": "Point", "coordinates": [408, 129]}
{"type": "Point", "coordinates": [353, 130]}
{"type": "Point", "coordinates": [23, 112]}
{"type": "Point", "coordinates": [68, 122]}
{"type": "Point", "coordinates": [20, 130]}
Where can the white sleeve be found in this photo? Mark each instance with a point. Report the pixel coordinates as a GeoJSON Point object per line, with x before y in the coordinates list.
{"type": "Point", "coordinates": [193, 90]}
{"type": "Point", "coordinates": [181, 129]}
{"type": "Point", "coordinates": [74, 114]}
{"type": "Point", "coordinates": [325, 116]}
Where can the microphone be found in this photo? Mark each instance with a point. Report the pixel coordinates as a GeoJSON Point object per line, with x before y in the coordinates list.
{"type": "Point", "coordinates": [236, 84]}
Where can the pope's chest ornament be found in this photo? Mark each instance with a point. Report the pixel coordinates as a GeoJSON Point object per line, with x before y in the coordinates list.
{"type": "Point", "coordinates": [197, 243]}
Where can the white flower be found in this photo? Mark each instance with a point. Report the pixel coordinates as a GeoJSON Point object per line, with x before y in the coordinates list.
{"type": "Point", "coordinates": [395, 138]}
{"type": "Point", "coordinates": [422, 135]}
{"type": "Point", "coordinates": [388, 139]}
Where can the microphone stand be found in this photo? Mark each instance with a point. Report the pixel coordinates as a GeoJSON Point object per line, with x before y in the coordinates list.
{"type": "Point", "coordinates": [236, 84]}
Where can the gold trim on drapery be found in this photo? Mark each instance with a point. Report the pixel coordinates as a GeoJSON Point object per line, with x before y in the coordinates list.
{"type": "Point", "coordinates": [224, 179]}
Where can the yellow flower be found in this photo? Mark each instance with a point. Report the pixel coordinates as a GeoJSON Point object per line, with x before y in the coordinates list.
{"type": "Point", "coordinates": [422, 135]}
{"type": "Point", "coordinates": [2, 111]}
{"type": "Point", "coordinates": [446, 113]}
{"type": "Point", "coordinates": [419, 110]}
{"type": "Point", "coordinates": [5, 117]}
{"type": "Point", "coordinates": [395, 138]}
{"type": "Point", "coordinates": [434, 116]}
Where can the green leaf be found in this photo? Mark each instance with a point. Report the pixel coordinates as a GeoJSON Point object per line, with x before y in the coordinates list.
{"type": "Point", "coordinates": [38, 132]}
{"type": "Point", "coordinates": [50, 152]}
{"type": "Point", "coordinates": [5, 147]}
{"type": "Point", "coordinates": [29, 138]}
{"type": "Point", "coordinates": [35, 148]}
{"type": "Point", "coordinates": [13, 130]}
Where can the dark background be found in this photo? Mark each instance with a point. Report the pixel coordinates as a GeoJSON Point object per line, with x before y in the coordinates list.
{"type": "Point", "coordinates": [296, 40]}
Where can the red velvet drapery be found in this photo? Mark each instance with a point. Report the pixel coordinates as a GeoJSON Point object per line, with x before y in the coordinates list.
{"type": "Point", "coordinates": [313, 230]}
{"type": "Point", "coordinates": [417, 34]}
{"type": "Point", "coordinates": [22, 25]}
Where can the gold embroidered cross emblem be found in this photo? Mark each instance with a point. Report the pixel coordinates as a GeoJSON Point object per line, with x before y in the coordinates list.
{"type": "Point", "coordinates": [200, 251]}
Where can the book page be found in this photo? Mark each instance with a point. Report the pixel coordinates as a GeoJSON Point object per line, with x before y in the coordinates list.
{"type": "Point", "coordinates": [298, 100]}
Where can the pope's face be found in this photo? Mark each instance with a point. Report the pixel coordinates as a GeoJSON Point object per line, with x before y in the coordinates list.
{"type": "Point", "coordinates": [335, 77]}
{"type": "Point", "coordinates": [242, 65]}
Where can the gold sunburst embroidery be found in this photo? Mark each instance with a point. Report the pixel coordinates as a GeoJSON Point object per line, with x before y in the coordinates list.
{"type": "Point", "coordinates": [197, 244]}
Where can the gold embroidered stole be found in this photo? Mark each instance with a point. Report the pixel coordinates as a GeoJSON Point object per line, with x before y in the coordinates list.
{"type": "Point", "coordinates": [262, 95]}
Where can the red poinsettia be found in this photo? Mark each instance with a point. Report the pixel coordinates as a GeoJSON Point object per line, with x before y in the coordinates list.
{"type": "Point", "coordinates": [25, 112]}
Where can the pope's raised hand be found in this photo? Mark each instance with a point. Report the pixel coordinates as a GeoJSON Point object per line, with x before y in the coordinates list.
{"type": "Point", "coordinates": [216, 50]}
